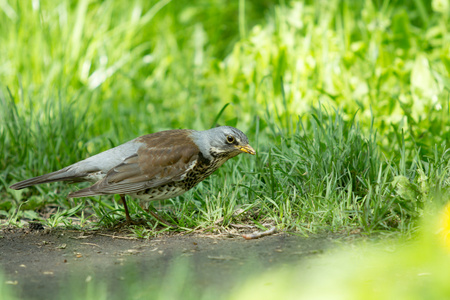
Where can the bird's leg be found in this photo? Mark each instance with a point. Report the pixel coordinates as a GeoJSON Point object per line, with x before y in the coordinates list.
{"type": "Point", "coordinates": [155, 215]}
{"type": "Point", "coordinates": [158, 218]}
{"type": "Point", "coordinates": [127, 214]}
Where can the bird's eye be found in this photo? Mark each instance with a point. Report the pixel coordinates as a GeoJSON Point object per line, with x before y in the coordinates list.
{"type": "Point", "coordinates": [230, 139]}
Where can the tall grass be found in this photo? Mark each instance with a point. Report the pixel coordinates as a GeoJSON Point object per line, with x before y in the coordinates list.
{"type": "Point", "coordinates": [330, 174]}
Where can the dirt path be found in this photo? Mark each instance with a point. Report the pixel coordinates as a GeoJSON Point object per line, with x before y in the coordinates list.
{"type": "Point", "coordinates": [40, 264]}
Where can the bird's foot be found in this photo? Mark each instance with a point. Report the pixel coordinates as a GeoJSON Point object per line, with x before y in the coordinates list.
{"type": "Point", "coordinates": [128, 223]}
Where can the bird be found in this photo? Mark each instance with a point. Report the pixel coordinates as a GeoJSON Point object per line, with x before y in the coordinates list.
{"type": "Point", "coordinates": [155, 166]}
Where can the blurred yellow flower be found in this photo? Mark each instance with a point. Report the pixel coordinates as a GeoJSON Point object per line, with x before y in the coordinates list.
{"type": "Point", "coordinates": [444, 226]}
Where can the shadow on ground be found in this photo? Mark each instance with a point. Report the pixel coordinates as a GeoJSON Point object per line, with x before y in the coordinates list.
{"type": "Point", "coordinates": [46, 264]}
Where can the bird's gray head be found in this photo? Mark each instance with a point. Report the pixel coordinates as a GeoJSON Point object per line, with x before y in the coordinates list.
{"type": "Point", "coordinates": [222, 141]}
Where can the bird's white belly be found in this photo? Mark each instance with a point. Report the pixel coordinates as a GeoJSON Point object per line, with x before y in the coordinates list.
{"type": "Point", "coordinates": [160, 193]}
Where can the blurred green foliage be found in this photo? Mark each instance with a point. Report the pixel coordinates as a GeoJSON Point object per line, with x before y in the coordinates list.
{"type": "Point", "coordinates": [385, 270]}
{"type": "Point", "coordinates": [387, 59]}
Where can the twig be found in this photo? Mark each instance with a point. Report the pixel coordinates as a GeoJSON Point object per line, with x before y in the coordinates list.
{"type": "Point", "coordinates": [90, 244]}
{"type": "Point", "coordinates": [80, 237]}
{"type": "Point", "coordinates": [259, 234]}
{"type": "Point", "coordinates": [117, 237]}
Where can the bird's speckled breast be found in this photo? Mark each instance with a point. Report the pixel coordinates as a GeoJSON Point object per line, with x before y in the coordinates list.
{"type": "Point", "coordinates": [202, 170]}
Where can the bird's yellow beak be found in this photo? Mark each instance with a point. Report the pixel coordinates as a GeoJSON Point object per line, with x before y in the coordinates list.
{"type": "Point", "coordinates": [247, 149]}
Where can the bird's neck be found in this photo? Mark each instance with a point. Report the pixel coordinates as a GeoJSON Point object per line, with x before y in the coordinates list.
{"type": "Point", "coordinates": [216, 159]}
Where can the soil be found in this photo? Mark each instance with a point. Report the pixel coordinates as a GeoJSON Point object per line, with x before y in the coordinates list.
{"type": "Point", "coordinates": [39, 264]}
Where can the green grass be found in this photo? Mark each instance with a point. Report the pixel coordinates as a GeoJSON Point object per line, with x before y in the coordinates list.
{"type": "Point", "coordinates": [347, 105]}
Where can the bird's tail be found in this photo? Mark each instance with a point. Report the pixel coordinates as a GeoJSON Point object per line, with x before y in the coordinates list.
{"type": "Point", "coordinates": [61, 175]}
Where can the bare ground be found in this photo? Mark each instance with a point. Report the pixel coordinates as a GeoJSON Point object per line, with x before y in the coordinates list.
{"type": "Point", "coordinates": [39, 264]}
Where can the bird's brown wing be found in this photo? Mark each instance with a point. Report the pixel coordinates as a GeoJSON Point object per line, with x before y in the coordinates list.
{"type": "Point", "coordinates": [161, 159]}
